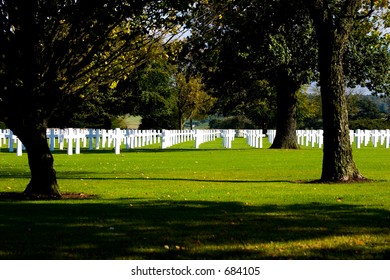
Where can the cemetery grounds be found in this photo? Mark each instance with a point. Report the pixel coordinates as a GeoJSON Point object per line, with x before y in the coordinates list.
{"type": "Point", "coordinates": [209, 203]}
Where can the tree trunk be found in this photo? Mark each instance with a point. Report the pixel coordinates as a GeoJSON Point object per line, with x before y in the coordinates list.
{"type": "Point", "coordinates": [286, 135]}
{"type": "Point", "coordinates": [180, 121]}
{"type": "Point", "coordinates": [338, 164]}
{"type": "Point", "coordinates": [43, 183]}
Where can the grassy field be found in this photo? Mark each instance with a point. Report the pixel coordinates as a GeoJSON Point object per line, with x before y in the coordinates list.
{"type": "Point", "coordinates": [209, 203]}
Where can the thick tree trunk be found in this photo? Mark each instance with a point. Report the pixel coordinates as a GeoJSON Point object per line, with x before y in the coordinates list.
{"type": "Point", "coordinates": [338, 164]}
{"type": "Point", "coordinates": [43, 183]}
{"type": "Point", "coordinates": [286, 135]}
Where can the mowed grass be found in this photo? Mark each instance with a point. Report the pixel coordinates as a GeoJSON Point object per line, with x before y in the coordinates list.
{"type": "Point", "coordinates": [211, 203]}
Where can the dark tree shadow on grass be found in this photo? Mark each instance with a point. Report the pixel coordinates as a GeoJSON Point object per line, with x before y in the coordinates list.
{"type": "Point", "coordinates": [139, 229]}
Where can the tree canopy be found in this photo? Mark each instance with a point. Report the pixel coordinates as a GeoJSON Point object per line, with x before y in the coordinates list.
{"type": "Point", "coordinates": [53, 53]}
{"type": "Point", "coordinates": [169, 97]}
{"type": "Point", "coordinates": [248, 50]}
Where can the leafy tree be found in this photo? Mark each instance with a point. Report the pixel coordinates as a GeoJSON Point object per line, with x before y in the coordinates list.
{"type": "Point", "coordinates": [247, 43]}
{"type": "Point", "coordinates": [367, 56]}
{"type": "Point", "coordinates": [155, 91]}
{"type": "Point", "coordinates": [367, 109]}
{"type": "Point", "coordinates": [334, 23]}
{"type": "Point", "coordinates": [370, 124]}
{"type": "Point", "coordinates": [364, 111]}
{"type": "Point", "coordinates": [55, 51]}
{"type": "Point", "coordinates": [367, 112]}
{"type": "Point", "coordinates": [236, 122]}
{"type": "Point", "coordinates": [191, 99]}
{"type": "Point", "coordinates": [168, 97]}
{"type": "Point", "coordinates": [95, 110]}
{"type": "Point", "coordinates": [228, 28]}
{"type": "Point", "coordinates": [309, 114]}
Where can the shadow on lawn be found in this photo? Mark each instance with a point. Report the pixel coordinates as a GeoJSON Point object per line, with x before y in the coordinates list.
{"type": "Point", "coordinates": [237, 181]}
{"type": "Point", "coordinates": [138, 229]}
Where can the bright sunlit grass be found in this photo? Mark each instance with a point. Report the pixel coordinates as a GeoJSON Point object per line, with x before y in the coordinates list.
{"type": "Point", "coordinates": [210, 203]}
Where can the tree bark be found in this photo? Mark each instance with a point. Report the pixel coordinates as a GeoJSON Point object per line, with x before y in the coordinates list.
{"type": "Point", "coordinates": [286, 136]}
{"type": "Point", "coordinates": [180, 121]}
{"type": "Point", "coordinates": [43, 183]}
{"type": "Point", "coordinates": [338, 164]}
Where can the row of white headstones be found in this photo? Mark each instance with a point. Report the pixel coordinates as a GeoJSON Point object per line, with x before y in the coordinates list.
{"type": "Point", "coordinates": [74, 139]}
{"type": "Point", "coordinates": [101, 138]}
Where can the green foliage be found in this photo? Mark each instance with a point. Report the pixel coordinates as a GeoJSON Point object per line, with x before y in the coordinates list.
{"type": "Point", "coordinates": [370, 124]}
{"type": "Point", "coordinates": [191, 98]}
{"type": "Point", "coordinates": [168, 98]}
{"type": "Point", "coordinates": [368, 112]}
{"type": "Point", "coordinates": [57, 56]}
{"type": "Point", "coordinates": [155, 87]}
{"type": "Point", "coordinates": [309, 111]}
{"type": "Point", "coordinates": [242, 46]}
{"type": "Point", "coordinates": [237, 122]}
{"type": "Point", "coordinates": [367, 57]}
{"type": "Point", "coordinates": [364, 111]}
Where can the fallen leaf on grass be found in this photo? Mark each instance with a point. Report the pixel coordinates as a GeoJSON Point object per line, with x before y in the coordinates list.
{"type": "Point", "coordinates": [360, 242]}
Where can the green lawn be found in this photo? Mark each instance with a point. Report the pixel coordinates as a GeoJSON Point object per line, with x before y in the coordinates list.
{"type": "Point", "coordinates": [210, 203]}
